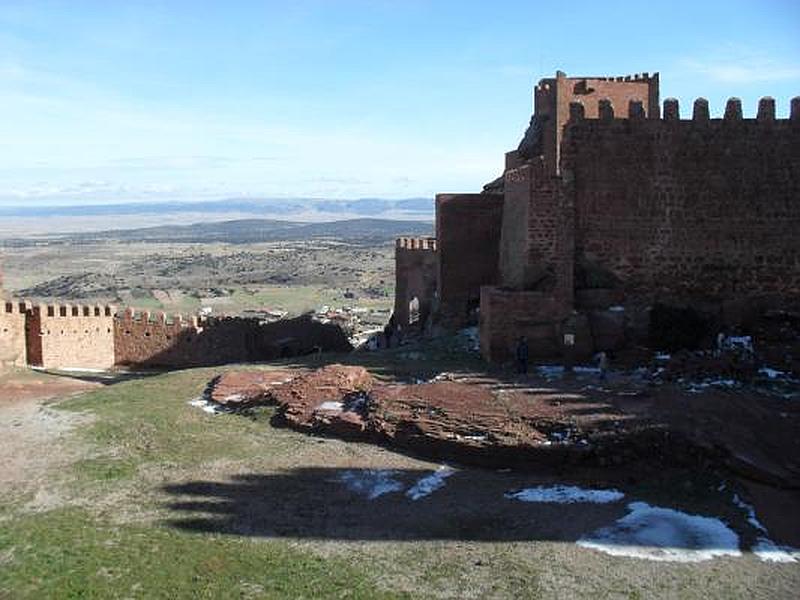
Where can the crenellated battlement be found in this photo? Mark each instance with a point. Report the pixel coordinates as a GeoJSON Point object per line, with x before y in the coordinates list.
{"type": "Point", "coordinates": [427, 243]}
{"type": "Point", "coordinates": [56, 311]}
{"type": "Point", "coordinates": [645, 77]}
{"type": "Point", "coordinates": [634, 111]}
{"type": "Point", "coordinates": [16, 307]}
{"type": "Point", "coordinates": [131, 316]}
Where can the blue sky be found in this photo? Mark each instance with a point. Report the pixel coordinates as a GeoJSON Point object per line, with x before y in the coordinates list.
{"type": "Point", "coordinates": [139, 101]}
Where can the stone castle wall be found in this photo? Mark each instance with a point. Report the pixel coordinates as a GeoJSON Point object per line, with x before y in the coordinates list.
{"type": "Point", "coordinates": [506, 315]}
{"type": "Point", "coordinates": [143, 339]}
{"type": "Point", "coordinates": [535, 243]}
{"type": "Point", "coordinates": [416, 269]}
{"type": "Point", "coordinates": [468, 237]}
{"type": "Point", "coordinates": [694, 210]}
{"type": "Point", "coordinates": [13, 351]}
{"type": "Point", "coordinates": [94, 337]}
{"type": "Point", "coordinates": [698, 207]}
{"type": "Point", "coordinates": [71, 336]}
{"type": "Point", "coordinates": [140, 339]}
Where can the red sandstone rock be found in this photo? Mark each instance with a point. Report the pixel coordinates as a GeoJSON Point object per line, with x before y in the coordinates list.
{"type": "Point", "coordinates": [311, 401]}
{"type": "Point", "coordinates": [485, 421]}
{"type": "Point", "coordinates": [246, 388]}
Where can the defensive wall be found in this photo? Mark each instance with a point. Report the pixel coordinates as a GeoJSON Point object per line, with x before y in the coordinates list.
{"type": "Point", "coordinates": [97, 337]}
{"type": "Point", "coordinates": [468, 236]}
{"type": "Point", "coordinates": [697, 207]}
{"type": "Point", "coordinates": [13, 351]}
{"type": "Point", "coordinates": [70, 336]}
{"type": "Point", "coordinates": [644, 209]}
{"type": "Point", "coordinates": [142, 339]}
{"type": "Point", "coordinates": [416, 271]}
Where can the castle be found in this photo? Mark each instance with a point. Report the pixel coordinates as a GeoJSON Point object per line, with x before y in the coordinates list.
{"type": "Point", "coordinates": [606, 209]}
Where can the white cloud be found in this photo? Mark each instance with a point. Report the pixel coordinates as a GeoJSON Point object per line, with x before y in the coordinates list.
{"type": "Point", "coordinates": [742, 66]}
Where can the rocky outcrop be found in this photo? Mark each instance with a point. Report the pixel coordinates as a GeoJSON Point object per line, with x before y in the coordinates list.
{"type": "Point", "coordinates": [511, 424]}
{"type": "Point", "coordinates": [331, 399]}
{"type": "Point", "coordinates": [242, 389]}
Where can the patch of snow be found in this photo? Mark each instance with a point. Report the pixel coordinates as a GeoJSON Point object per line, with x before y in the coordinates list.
{"type": "Point", "coordinates": [697, 387]}
{"type": "Point", "coordinates": [550, 371]}
{"type": "Point", "coordinates": [663, 356]}
{"type": "Point", "coordinates": [751, 513]}
{"type": "Point", "coordinates": [616, 308]}
{"type": "Point", "coordinates": [565, 494]}
{"type": "Point", "coordinates": [206, 406]}
{"type": "Point", "coordinates": [771, 373]}
{"type": "Point", "coordinates": [476, 437]}
{"type": "Point", "coordinates": [338, 406]}
{"type": "Point", "coordinates": [371, 483]}
{"type": "Point", "coordinates": [586, 370]}
{"type": "Point", "coordinates": [663, 534]}
{"type": "Point", "coordinates": [767, 551]}
{"type": "Point", "coordinates": [425, 486]}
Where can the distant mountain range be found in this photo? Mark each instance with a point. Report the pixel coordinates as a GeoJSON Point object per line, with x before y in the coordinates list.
{"type": "Point", "coordinates": [247, 231]}
{"type": "Point", "coordinates": [368, 207]}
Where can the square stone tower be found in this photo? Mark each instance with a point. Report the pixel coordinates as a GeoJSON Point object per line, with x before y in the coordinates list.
{"type": "Point", "coordinates": [552, 97]}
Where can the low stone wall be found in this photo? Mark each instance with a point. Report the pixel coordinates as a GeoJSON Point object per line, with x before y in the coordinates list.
{"type": "Point", "coordinates": [508, 314]}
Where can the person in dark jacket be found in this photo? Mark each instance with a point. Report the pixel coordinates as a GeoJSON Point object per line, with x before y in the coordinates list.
{"type": "Point", "coordinates": [522, 355]}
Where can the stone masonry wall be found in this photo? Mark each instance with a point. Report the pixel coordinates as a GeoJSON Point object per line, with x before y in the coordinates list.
{"type": "Point", "coordinates": [700, 207]}
{"type": "Point", "coordinates": [143, 340]}
{"type": "Point", "coordinates": [66, 336]}
{"type": "Point", "coordinates": [416, 270]}
{"type": "Point", "coordinates": [468, 237]}
{"type": "Point", "coordinates": [508, 314]}
{"type": "Point", "coordinates": [13, 350]}
{"type": "Point", "coordinates": [536, 239]}
{"type": "Point", "coordinates": [553, 96]}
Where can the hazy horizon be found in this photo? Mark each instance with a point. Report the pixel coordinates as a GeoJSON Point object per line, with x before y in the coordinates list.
{"type": "Point", "coordinates": [140, 101]}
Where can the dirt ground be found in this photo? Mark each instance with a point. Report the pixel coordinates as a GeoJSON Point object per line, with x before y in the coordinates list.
{"type": "Point", "coordinates": [32, 433]}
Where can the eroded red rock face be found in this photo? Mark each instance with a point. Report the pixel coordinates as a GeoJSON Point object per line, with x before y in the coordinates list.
{"type": "Point", "coordinates": [468, 414]}
{"type": "Point", "coordinates": [330, 399]}
{"type": "Point", "coordinates": [518, 424]}
{"type": "Point", "coordinates": [246, 388]}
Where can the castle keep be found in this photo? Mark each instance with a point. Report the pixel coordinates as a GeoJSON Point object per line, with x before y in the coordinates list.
{"type": "Point", "coordinates": [607, 208]}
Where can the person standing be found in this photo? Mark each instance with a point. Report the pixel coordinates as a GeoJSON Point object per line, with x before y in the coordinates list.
{"type": "Point", "coordinates": [602, 363]}
{"type": "Point", "coordinates": [522, 355]}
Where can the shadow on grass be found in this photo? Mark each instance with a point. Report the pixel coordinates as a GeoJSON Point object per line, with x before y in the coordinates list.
{"type": "Point", "coordinates": [103, 377]}
{"type": "Point", "coordinates": [365, 504]}
{"type": "Point", "coordinates": [380, 505]}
